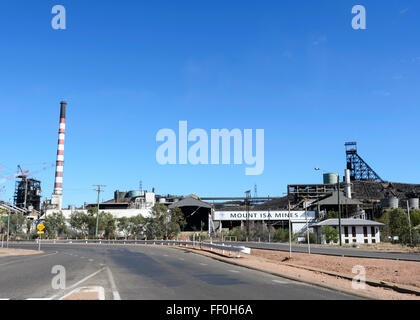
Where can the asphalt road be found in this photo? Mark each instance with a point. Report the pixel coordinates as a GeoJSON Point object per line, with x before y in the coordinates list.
{"type": "Point", "coordinates": [139, 272]}
{"type": "Point", "coordinates": [334, 251]}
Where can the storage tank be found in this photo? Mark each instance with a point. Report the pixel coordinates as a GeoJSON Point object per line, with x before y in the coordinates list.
{"type": "Point", "coordinates": [413, 203]}
{"type": "Point", "coordinates": [134, 194]}
{"type": "Point", "coordinates": [390, 203]}
{"type": "Point", "coordinates": [330, 178]}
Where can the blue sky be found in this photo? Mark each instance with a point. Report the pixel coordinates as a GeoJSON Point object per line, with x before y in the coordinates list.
{"type": "Point", "coordinates": [130, 68]}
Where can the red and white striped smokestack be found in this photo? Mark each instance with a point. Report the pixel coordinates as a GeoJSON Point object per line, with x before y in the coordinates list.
{"type": "Point", "coordinates": [58, 185]}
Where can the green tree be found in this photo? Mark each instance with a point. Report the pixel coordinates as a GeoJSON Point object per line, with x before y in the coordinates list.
{"type": "Point", "coordinates": [79, 221]}
{"type": "Point", "coordinates": [281, 235]}
{"type": "Point", "coordinates": [3, 221]}
{"type": "Point", "coordinates": [156, 226]}
{"type": "Point", "coordinates": [55, 224]}
{"type": "Point", "coordinates": [108, 224]}
{"type": "Point", "coordinates": [396, 224]}
{"type": "Point", "coordinates": [177, 217]}
{"type": "Point", "coordinates": [330, 215]}
{"type": "Point", "coordinates": [17, 222]}
{"type": "Point", "coordinates": [415, 218]}
{"type": "Point", "coordinates": [29, 226]}
{"type": "Point", "coordinates": [331, 234]}
{"type": "Point", "coordinates": [137, 223]}
{"type": "Point", "coordinates": [125, 226]}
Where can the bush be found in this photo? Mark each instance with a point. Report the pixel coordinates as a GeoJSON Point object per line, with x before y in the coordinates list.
{"type": "Point", "coordinates": [396, 224]}
{"type": "Point", "coordinates": [331, 234]}
{"type": "Point", "coordinates": [330, 215]}
{"type": "Point", "coordinates": [312, 238]}
{"type": "Point", "coordinates": [282, 235]}
{"type": "Point", "coordinates": [415, 218]}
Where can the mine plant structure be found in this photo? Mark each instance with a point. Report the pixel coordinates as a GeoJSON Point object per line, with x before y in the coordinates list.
{"type": "Point", "coordinates": [27, 192]}
{"type": "Point", "coordinates": [359, 169]}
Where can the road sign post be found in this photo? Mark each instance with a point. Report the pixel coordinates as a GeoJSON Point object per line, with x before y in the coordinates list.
{"type": "Point", "coordinates": [40, 228]}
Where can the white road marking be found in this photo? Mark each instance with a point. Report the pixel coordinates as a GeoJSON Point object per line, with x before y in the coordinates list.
{"type": "Point", "coordinates": [115, 292]}
{"type": "Point", "coordinates": [280, 282]}
{"type": "Point", "coordinates": [165, 255]}
{"type": "Point", "coordinates": [90, 260]}
{"type": "Point", "coordinates": [182, 259]}
{"type": "Point", "coordinates": [234, 271]}
{"type": "Point", "coordinates": [39, 299]}
{"type": "Point", "coordinates": [203, 264]}
{"type": "Point", "coordinates": [80, 282]}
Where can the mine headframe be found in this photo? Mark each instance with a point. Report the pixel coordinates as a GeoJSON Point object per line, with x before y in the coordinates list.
{"type": "Point", "coordinates": [359, 169]}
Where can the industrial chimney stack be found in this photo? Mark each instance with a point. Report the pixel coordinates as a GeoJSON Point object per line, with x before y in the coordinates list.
{"type": "Point", "coordinates": [57, 196]}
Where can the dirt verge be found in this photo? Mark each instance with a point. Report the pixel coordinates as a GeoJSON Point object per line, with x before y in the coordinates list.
{"type": "Point", "coordinates": [408, 273]}
{"type": "Point", "coordinates": [4, 252]}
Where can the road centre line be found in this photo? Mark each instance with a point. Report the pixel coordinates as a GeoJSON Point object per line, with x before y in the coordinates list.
{"type": "Point", "coordinates": [115, 292]}
{"type": "Point", "coordinates": [280, 282]}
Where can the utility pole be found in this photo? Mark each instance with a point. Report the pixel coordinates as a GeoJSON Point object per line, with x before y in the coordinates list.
{"type": "Point", "coordinates": [247, 203]}
{"type": "Point", "coordinates": [339, 209]}
{"type": "Point", "coordinates": [409, 223]}
{"type": "Point", "coordinates": [290, 228]}
{"type": "Point", "coordinates": [338, 202]}
{"type": "Point", "coordinates": [269, 233]}
{"type": "Point", "coordinates": [307, 226]}
{"type": "Point", "coordinates": [97, 213]}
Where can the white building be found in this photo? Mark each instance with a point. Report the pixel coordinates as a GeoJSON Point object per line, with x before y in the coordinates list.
{"type": "Point", "coordinates": [357, 231]}
{"type": "Point", "coordinates": [138, 202]}
{"type": "Point", "coordinates": [298, 219]}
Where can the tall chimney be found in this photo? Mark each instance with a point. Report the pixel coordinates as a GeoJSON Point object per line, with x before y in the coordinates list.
{"type": "Point", "coordinates": [57, 197]}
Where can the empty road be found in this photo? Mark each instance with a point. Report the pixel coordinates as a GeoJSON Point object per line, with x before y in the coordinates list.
{"type": "Point", "coordinates": [139, 272]}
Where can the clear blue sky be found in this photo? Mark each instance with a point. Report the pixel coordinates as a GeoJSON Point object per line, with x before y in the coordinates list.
{"type": "Point", "coordinates": [129, 68]}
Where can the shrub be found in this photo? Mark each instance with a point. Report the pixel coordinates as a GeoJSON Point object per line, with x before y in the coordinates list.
{"type": "Point", "coordinates": [282, 235]}
{"type": "Point", "coordinates": [331, 234]}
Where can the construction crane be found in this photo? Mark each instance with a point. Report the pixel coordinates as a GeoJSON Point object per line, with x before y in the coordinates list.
{"type": "Point", "coordinates": [26, 173]}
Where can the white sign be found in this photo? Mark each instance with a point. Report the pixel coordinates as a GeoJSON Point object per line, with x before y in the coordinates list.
{"type": "Point", "coordinates": [296, 216]}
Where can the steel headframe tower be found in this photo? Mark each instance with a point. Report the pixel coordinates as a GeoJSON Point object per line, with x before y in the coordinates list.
{"type": "Point", "coordinates": [57, 196]}
{"type": "Point", "coordinates": [359, 169]}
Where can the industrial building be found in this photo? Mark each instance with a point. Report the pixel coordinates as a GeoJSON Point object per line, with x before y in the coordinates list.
{"type": "Point", "coordinates": [360, 194]}
{"type": "Point", "coordinates": [353, 231]}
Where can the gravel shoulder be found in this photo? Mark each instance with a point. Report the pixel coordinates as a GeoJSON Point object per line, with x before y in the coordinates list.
{"type": "Point", "coordinates": [275, 262]}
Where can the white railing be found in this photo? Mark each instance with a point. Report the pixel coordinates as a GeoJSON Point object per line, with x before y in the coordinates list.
{"type": "Point", "coordinates": [193, 244]}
